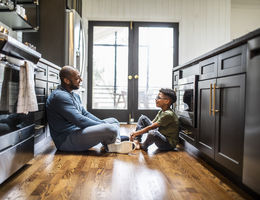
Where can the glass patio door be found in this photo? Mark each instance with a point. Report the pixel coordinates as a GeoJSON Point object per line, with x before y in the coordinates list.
{"type": "Point", "coordinates": [108, 70]}
{"type": "Point", "coordinates": [155, 54]}
{"type": "Point", "coordinates": [127, 65]}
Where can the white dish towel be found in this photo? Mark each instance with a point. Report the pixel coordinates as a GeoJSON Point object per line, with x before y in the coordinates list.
{"type": "Point", "coordinates": [27, 101]}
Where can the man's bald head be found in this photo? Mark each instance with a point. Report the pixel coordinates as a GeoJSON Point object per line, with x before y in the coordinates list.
{"type": "Point", "coordinates": [66, 72]}
{"type": "Point", "coordinates": [70, 78]}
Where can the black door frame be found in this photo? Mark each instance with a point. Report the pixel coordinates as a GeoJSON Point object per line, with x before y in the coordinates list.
{"type": "Point", "coordinates": [132, 110]}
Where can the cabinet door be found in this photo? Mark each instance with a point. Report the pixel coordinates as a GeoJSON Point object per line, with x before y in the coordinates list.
{"type": "Point", "coordinates": [230, 122]}
{"type": "Point", "coordinates": [206, 120]}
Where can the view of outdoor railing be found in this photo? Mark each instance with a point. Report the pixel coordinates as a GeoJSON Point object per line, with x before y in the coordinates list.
{"type": "Point", "coordinates": [109, 97]}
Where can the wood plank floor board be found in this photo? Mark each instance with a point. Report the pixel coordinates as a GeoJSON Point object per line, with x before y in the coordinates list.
{"type": "Point", "coordinates": [94, 175]}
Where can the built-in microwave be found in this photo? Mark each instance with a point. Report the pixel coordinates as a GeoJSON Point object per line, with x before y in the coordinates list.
{"type": "Point", "coordinates": [186, 104]}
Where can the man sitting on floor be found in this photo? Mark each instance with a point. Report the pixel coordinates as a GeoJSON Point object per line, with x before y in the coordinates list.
{"type": "Point", "coordinates": [73, 128]}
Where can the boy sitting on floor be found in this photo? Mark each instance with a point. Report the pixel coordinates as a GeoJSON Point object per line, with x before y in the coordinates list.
{"type": "Point", "coordinates": [164, 129]}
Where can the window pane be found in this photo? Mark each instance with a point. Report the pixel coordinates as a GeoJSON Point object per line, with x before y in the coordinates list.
{"type": "Point", "coordinates": [110, 68]}
{"type": "Point", "coordinates": [155, 63]}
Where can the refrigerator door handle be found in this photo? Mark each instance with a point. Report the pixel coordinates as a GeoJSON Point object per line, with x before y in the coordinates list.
{"type": "Point", "coordinates": [83, 49]}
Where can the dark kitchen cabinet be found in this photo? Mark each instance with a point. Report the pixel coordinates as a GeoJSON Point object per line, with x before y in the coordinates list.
{"type": "Point", "coordinates": [227, 86]}
{"type": "Point", "coordinates": [221, 120]}
{"type": "Point", "coordinates": [46, 80]}
{"type": "Point", "coordinates": [206, 121]}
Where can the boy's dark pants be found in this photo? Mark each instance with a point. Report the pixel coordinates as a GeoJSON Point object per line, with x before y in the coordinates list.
{"type": "Point", "coordinates": [153, 136]}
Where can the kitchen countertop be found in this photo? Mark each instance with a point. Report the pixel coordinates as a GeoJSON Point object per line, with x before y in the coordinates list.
{"type": "Point", "coordinates": [49, 63]}
{"type": "Point", "coordinates": [234, 43]}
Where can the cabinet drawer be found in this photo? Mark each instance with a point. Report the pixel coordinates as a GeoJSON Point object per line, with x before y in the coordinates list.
{"type": "Point", "coordinates": [51, 87]}
{"type": "Point", "coordinates": [41, 93]}
{"type": "Point", "coordinates": [208, 68]}
{"type": "Point", "coordinates": [12, 138]}
{"type": "Point", "coordinates": [15, 157]}
{"type": "Point", "coordinates": [41, 72]}
{"type": "Point", "coordinates": [53, 75]}
{"type": "Point", "coordinates": [40, 87]}
{"type": "Point", "coordinates": [232, 61]}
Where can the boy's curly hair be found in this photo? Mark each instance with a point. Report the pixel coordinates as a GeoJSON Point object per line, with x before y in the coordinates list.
{"type": "Point", "coordinates": [170, 93]}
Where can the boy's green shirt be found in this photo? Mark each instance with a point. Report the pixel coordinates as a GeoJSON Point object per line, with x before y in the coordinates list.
{"type": "Point", "coordinates": [169, 125]}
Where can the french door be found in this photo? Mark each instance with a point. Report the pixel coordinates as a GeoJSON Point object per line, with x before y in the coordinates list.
{"type": "Point", "coordinates": [127, 65]}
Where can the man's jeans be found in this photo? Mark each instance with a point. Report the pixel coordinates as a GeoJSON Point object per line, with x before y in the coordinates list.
{"type": "Point", "coordinates": [153, 136]}
{"type": "Point", "coordinates": [86, 138]}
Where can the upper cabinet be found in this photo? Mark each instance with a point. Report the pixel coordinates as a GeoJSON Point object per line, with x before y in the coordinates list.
{"type": "Point", "coordinates": [20, 15]}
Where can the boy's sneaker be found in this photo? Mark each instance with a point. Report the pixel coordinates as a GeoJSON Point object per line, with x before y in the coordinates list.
{"type": "Point", "coordinates": [121, 147]}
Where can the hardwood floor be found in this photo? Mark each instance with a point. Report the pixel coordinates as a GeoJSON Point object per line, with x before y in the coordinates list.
{"type": "Point", "coordinates": [139, 175]}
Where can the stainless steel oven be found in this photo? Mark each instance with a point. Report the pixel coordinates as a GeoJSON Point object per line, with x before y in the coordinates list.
{"type": "Point", "coordinates": [16, 130]}
{"type": "Point", "coordinates": [186, 105]}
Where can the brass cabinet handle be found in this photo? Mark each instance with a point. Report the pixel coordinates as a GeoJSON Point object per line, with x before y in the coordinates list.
{"type": "Point", "coordinates": [130, 77]}
{"type": "Point", "coordinates": [214, 100]}
{"type": "Point", "coordinates": [136, 76]}
{"type": "Point", "coordinates": [210, 99]}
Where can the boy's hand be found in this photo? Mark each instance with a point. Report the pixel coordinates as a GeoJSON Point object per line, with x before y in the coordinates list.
{"type": "Point", "coordinates": [132, 136]}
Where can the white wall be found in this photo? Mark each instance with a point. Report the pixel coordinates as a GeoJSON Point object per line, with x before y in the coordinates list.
{"type": "Point", "coordinates": [203, 24]}
{"type": "Point", "coordinates": [245, 17]}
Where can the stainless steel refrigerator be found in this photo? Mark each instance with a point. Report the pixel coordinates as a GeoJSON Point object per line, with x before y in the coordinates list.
{"type": "Point", "coordinates": [75, 43]}
{"type": "Point", "coordinates": [251, 165]}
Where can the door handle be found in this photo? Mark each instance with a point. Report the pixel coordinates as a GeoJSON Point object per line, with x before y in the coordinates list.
{"type": "Point", "coordinates": [130, 77]}
{"type": "Point", "coordinates": [136, 76]}
{"type": "Point", "coordinates": [210, 99]}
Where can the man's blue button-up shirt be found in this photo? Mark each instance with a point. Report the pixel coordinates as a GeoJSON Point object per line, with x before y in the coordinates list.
{"type": "Point", "coordinates": [65, 115]}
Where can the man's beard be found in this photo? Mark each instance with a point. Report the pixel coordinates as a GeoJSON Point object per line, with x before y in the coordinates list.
{"type": "Point", "coordinates": [74, 87]}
